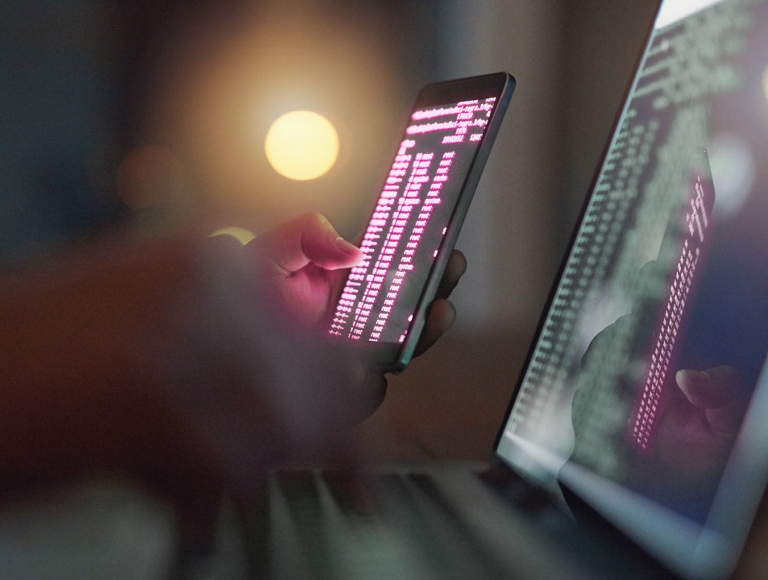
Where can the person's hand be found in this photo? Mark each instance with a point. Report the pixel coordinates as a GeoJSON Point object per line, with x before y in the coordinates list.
{"type": "Point", "coordinates": [442, 313]}
{"type": "Point", "coordinates": [698, 418]}
{"type": "Point", "coordinates": [700, 423]}
{"type": "Point", "coordinates": [305, 263]}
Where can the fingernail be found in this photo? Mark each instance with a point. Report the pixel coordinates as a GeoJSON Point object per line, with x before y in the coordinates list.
{"type": "Point", "coordinates": [346, 247]}
{"type": "Point", "coordinates": [695, 377]}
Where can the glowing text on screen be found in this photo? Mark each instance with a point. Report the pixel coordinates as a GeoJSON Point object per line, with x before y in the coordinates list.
{"type": "Point", "coordinates": [409, 221]}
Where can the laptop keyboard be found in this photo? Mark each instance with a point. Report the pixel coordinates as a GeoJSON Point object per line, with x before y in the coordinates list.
{"type": "Point", "coordinates": [319, 531]}
{"type": "Point", "coordinates": [412, 527]}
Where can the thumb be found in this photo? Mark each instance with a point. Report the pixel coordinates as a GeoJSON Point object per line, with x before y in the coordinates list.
{"type": "Point", "coordinates": [717, 391]}
{"type": "Point", "coordinates": [309, 239]}
{"type": "Point", "coordinates": [713, 388]}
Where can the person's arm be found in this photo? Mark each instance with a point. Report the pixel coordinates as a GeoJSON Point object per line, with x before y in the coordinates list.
{"type": "Point", "coordinates": [77, 343]}
{"type": "Point", "coordinates": [156, 356]}
{"type": "Point", "coordinates": [153, 357]}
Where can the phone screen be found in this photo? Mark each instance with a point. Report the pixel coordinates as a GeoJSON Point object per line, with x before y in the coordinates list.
{"type": "Point", "coordinates": [418, 214]}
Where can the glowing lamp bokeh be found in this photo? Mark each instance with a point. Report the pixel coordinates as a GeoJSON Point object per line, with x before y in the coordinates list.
{"type": "Point", "coordinates": [302, 145]}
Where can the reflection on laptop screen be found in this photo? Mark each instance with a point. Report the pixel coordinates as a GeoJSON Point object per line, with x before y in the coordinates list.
{"type": "Point", "coordinates": [655, 340]}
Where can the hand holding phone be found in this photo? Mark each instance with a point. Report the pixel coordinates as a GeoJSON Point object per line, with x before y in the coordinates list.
{"type": "Point", "coordinates": [417, 217]}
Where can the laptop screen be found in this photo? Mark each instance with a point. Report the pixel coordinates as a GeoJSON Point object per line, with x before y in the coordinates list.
{"type": "Point", "coordinates": [645, 389]}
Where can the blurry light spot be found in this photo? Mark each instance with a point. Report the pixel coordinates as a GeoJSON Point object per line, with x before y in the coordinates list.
{"type": "Point", "coordinates": [302, 145]}
{"type": "Point", "coordinates": [733, 172]}
{"type": "Point", "coordinates": [242, 235]}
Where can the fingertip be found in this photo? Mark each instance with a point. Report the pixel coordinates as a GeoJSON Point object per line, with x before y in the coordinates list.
{"type": "Point", "coordinates": [454, 270]}
{"type": "Point", "coordinates": [686, 377]}
{"type": "Point", "coordinates": [441, 317]}
{"type": "Point", "coordinates": [323, 245]}
{"type": "Point", "coordinates": [442, 314]}
{"type": "Point", "coordinates": [352, 253]}
{"type": "Point", "coordinates": [458, 262]}
{"type": "Point", "coordinates": [710, 389]}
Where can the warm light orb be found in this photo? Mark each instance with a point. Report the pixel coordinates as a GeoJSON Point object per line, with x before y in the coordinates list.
{"type": "Point", "coordinates": [302, 145]}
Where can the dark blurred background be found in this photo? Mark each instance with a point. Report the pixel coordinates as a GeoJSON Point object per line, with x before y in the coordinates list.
{"type": "Point", "coordinates": [82, 82]}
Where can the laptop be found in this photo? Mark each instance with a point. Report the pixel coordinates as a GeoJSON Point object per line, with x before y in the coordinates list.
{"type": "Point", "coordinates": [635, 444]}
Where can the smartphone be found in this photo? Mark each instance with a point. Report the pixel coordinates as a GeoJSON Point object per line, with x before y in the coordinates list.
{"type": "Point", "coordinates": [417, 217]}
